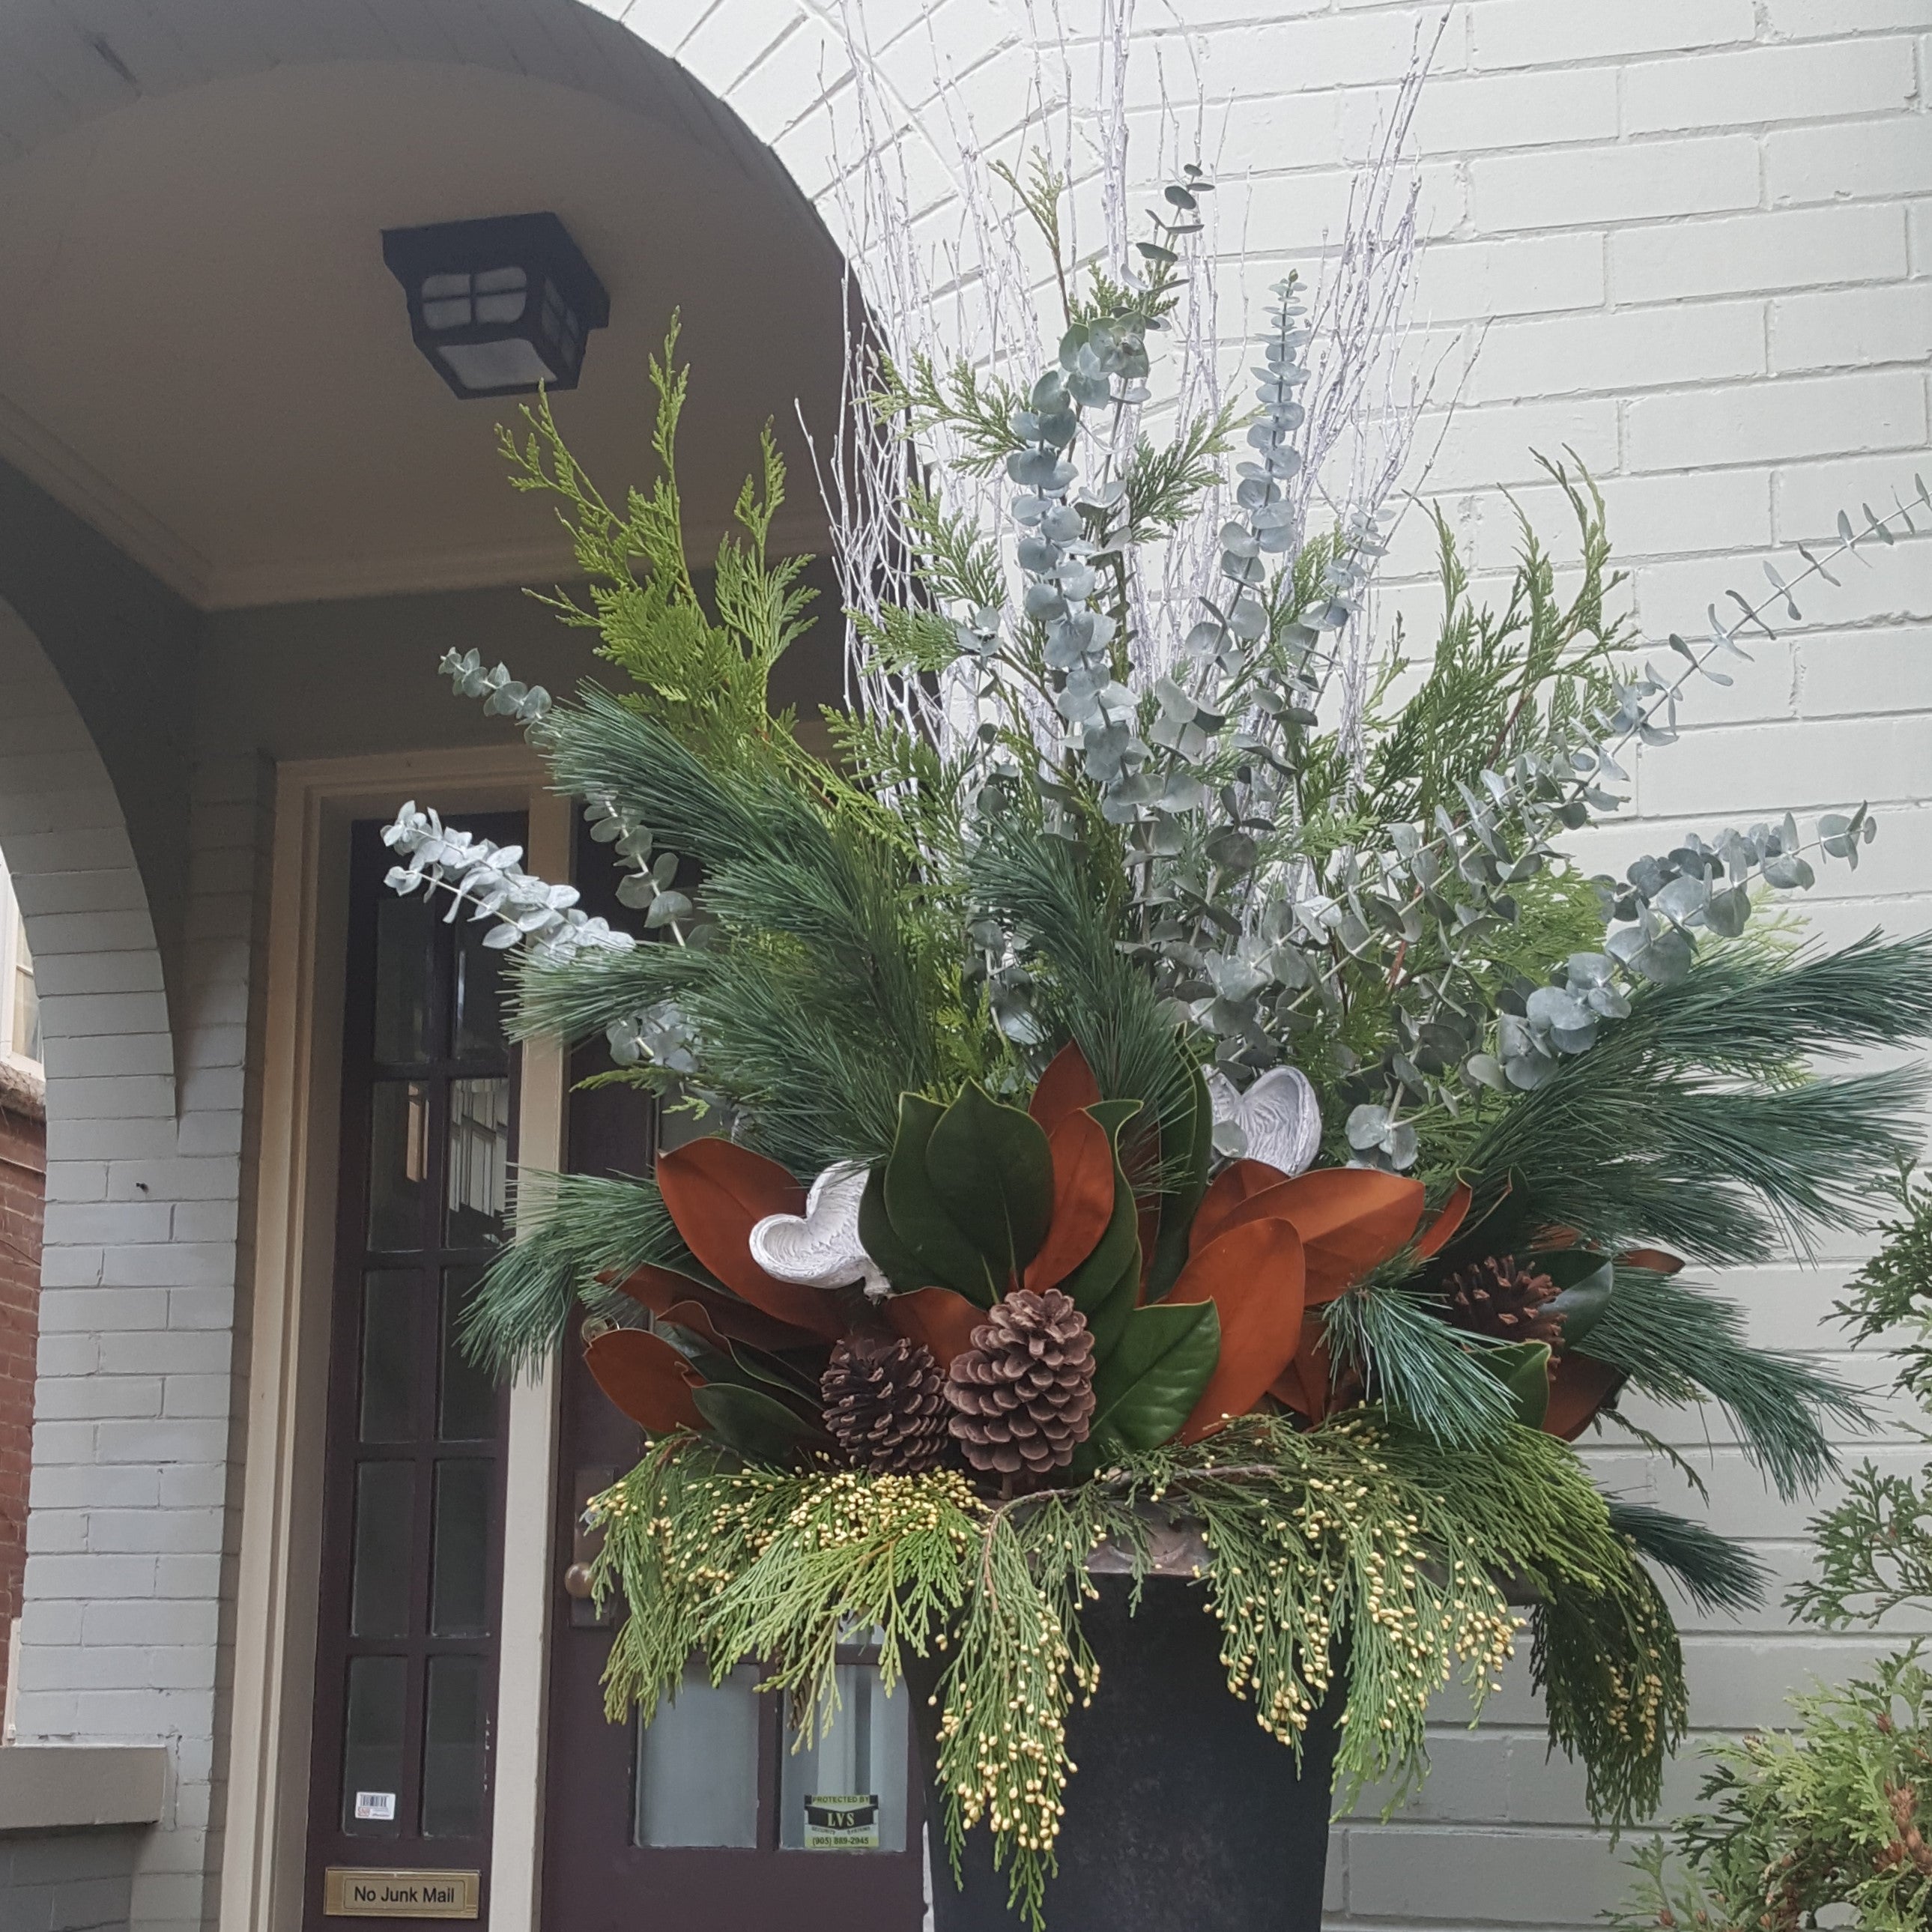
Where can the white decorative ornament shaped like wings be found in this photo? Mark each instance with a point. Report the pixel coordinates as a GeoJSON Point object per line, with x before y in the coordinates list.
{"type": "Point", "coordinates": [1279, 1119]}
{"type": "Point", "coordinates": [820, 1248]}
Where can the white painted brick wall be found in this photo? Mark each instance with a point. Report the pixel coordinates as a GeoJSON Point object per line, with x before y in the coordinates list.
{"type": "Point", "coordinates": [132, 1505]}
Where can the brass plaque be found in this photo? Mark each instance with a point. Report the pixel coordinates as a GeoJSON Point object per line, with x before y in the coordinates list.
{"type": "Point", "coordinates": [351, 1891]}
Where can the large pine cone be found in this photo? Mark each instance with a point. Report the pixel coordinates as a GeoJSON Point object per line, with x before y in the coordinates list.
{"type": "Point", "coordinates": [1506, 1298]}
{"type": "Point", "coordinates": [1023, 1394]}
{"type": "Point", "coordinates": [885, 1404]}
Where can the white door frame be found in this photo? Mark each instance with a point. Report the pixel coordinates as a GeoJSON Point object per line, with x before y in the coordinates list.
{"type": "Point", "coordinates": [266, 1837]}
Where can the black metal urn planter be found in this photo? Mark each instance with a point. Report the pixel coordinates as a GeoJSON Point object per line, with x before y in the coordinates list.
{"type": "Point", "coordinates": [1185, 1815]}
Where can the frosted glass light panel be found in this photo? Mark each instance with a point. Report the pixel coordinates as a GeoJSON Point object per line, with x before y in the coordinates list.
{"type": "Point", "coordinates": [846, 1790]}
{"type": "Point", "coordinates": [698, 1764]}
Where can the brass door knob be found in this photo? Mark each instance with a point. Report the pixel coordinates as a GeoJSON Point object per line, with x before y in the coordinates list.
{"type": "Point", "coordinates": [577, 1582]}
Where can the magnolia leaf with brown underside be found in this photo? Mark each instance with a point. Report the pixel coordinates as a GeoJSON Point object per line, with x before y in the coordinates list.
{"type": "Point", "coordinates": [1254, 1275]}
{"type": "Point", "coordinates": [718, 1192]}
{"type": "Point", "coordinates": [1351, 1220]}
{"type": "Point", "coordinates": [661, 1289]}
{"type": "Point", "coordinates": [646, 1379]}
{"type": "Point", "coordinates": [942, 1320]}
{"type": "Point", "coordinates": [1066, 1086]}
{"type": "Point", "coordinates": [1083, 1199]}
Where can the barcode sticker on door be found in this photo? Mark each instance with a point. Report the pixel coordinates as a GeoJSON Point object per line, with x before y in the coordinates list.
{"type": "Point", "coordinates": [841, 1822]}
{"type": "Point", "coordinates": [376, 1805]}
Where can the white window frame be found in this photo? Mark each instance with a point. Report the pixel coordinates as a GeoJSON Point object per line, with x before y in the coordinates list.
{"type": "Point", "coordinates": [12, 935]}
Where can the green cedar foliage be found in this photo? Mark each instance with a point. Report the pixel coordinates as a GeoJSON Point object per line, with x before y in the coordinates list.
{"type": "Point", "coordinates": [1499, 682]}
{"type": "Point", "coordinates": [1832, 1816]}
{"type": "Point", "coordinates": [1875, 1548]}
{"type": "Point", "coordinates": [705, 672]}
{"type": "Point", "coordinates": [1355, 1542]}
{"type": "Point", "coordinates": [1829, 1817]}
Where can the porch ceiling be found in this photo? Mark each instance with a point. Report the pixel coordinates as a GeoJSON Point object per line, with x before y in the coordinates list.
{"type": "Point", "coordinates": [202, 351]}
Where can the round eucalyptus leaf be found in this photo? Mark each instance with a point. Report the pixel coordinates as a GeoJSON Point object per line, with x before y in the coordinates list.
{"type": "Point", "coordinates": [1551, 1006]}
{"type": "Point", "coordinates": [1528, 1071]}
{"type": "Point", "coordinates": [1589, 970]}
{"type": "Point", "coordinates": [1484, 1069]}
{"type": "Point", "coordinates": [1729, 913]}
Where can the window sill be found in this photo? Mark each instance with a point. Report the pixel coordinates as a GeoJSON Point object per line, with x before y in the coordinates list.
{"type": "Point", "coordinates": [73, 1787]}
{"type": "Point", "coordinates": [23, 1087]}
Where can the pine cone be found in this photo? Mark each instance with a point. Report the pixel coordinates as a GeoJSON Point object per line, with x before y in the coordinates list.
{"type": "Point", "coordinates": [1506, 1298]}
{"type": "Point", "coordinates": [885, 1404]}
{"type": "Point", "coordinates": [1023, 1394]}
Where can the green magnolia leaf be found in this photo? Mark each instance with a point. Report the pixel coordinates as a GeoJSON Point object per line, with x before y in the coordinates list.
{"type": "Point", "coordinates": [876, 1236]}
{"type": "Point", "coordinates": [758, 1426]}
{"type": "Point", "coordinates": [739, 1366]}
{"type": "Point", "coordinates": [1176, 1209]}
{"type": "Point", "coordinates": [941, 1255]}
{"type": "Point", "coordinates": [989, 1165]}
{"type": "Point", "coordinates": [1523, 1368]}
{"type": "Point", "coordinates": [1586, 1279]}
{"type": "Point", "coordinates": [776, 1374]}
{"type": "Point", "coordinates": [1147, 1387]}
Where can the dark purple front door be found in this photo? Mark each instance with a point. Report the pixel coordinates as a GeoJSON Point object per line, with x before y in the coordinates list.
{"type": "Point", "coordinates": [406, 1658]}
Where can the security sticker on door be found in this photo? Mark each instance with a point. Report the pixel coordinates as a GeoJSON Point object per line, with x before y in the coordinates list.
{"type": "Point", "coordinates": [836, 1822]}
{"type": "Point", "coordinates": [376, 1805]}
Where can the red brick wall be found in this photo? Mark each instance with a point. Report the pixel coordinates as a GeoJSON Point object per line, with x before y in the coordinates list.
{"type": "Point", "coordinates": [23, 1182]}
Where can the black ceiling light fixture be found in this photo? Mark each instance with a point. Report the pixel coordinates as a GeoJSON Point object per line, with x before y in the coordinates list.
{"type": "Point", "coordinates": [500, 307]}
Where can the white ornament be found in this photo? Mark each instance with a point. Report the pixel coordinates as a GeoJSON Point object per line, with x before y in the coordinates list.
{"type": "Point", "coordinates": [820, 1248]}
{"type": "Point", "coordinates": [1277, 1119]}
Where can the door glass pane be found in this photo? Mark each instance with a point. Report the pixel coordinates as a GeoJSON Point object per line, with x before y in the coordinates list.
{"type": "Point", "coordinates": [460, 1595]}
{"type": "Point", "coordinates": [372, 1756]}
{"type": "Point", "coordinates": [405, 930]}
{"type": "Point", "coordinates": [479, 1162]}
{"type": "Point", "coordinates": [479, 992]}
{"type": "Point", "coordinates": [698, 1764]}
{"type": "Point", "coordinates": [467, 1408]}
{"type": "Point", "coordinates": [379, 1588]}
{"type": "Point", "coordinates": [389, 1379]}
{"type": "Point", "coordinates": [398, 1163]}
{"type": "Point", "coordinates": [846, 1791]}
{"type": "Point", "coordinates": [454, 1735]}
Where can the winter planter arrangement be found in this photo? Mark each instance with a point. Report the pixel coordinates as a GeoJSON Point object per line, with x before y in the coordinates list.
{"type": "Point", "coordinates": [1182, 1135]}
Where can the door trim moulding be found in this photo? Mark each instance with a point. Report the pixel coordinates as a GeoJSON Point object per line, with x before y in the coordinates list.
{"type": "Point", "coordinates": [270, 1707]}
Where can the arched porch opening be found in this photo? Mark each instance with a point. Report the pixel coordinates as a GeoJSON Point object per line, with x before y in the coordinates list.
{"type": "Point", "coordinates": [240, 520]}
